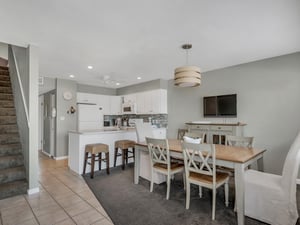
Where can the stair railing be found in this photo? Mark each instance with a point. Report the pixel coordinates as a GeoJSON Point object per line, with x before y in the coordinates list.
{"type": "Point", "coordinates": [13, 64]}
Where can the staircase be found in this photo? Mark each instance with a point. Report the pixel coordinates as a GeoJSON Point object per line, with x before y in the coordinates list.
{"type": "Point", "coordinates": [12, 171]}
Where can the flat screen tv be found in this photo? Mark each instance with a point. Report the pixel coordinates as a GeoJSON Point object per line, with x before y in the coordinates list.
{"type": "Point", "coordinates": [220, 106]}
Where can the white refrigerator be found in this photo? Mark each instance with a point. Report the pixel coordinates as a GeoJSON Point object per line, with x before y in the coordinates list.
{"type": "Point", "coordinates": [90, 116]}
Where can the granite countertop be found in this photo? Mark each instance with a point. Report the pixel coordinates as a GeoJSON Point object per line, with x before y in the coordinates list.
{"type": "Point", "coordinates": [104, 130]}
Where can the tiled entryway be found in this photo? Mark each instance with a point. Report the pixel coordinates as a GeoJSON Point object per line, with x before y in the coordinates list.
{"type": "Point", "coordinates": [64, 199]}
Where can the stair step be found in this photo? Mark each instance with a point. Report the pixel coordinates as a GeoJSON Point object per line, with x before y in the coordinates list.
{"type": "Point", "coordinates": [7, 104]}
{"type": "Point", "coordinates": [4, 72]}
{"type": "Point", "coordinates": [10, 149]}
{"type": "Point", "coordinates": [11, 161]}
{"type": "Point", "coordinates": [5, 83]}
{"type": "Point", "coordinates": [6, 96]}
{"type": "Point", "coordinates": [7, 112]}
{"type": "Point", "coordinates": [4, 77]}
{"type": "Point", "coordinates": [12, 174]}
{"type": "Point", "coordinates": [3, 67]}
{"type": "Point", "coordinates": [8, 128]}
{"type": "Point", "coordinates": [9, 138]}
{"type": "Point", "coordinates": [13, 188]}
{"type": "Point", "coordinates": [7, 90]}
{"type": "Point", "coordinates": [4, 120]}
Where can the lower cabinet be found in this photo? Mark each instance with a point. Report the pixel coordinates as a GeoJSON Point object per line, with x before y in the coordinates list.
{"type": "Point", "coordinates": [216, 133]}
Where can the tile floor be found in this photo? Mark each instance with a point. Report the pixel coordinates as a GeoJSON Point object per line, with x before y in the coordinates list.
{"type": "Point", "coordinates": [64, 199]}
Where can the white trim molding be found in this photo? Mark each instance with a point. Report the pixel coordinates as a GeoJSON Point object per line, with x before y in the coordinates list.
{"type": "Point", "coordinates": [33, 191]}
{"type": "Point", "coordinates": [61, 157]}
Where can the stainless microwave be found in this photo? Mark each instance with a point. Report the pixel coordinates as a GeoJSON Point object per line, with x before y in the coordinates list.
{"type": "Point", "coordinates": [128, 108]}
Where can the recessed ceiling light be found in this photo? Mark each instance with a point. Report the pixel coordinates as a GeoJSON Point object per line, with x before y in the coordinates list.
{"type": "Point", "coordinates": [117, 83]}
{"type": "Point", "coordinates": [138, 78]}
{"type": "Point", "coordinates": [71, 76]}
{"type": "Point", "coordinates": [90, 67]}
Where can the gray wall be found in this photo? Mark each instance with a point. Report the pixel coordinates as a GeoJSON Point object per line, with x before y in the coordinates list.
{"type": "Point", "coordinates": [95, 90]}
{"type": "Point", "coordinates": [4, 50]}
{"type": "Point", "coordinates": [64, 121]}
{"type": "Point", "coordinates": [49, 85]}
{"type": "Point", "coordinates": [268, 94]}
{"type": "Point", "coordinates": [150, 85]}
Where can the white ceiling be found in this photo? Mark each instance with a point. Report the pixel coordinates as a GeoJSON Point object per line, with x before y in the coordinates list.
{"type": "Point", "coordinates": [126, 39]}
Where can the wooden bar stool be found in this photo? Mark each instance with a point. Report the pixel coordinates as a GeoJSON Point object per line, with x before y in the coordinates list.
{"type": "Point", "coordinates": [124, 145]}
{"type": "Point", "coordinates": [96, 150]}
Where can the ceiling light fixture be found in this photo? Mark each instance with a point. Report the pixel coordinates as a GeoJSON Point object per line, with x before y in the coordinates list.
{"type": "Point", "coordinates": [90, 67]}
{"type": "Point", "coordinates": [117, 83]}
{"type": "Point", "coordinates": [187, 76]}
{"type": "Point", "coordinates": [71, 76]}
{"type": "Point", "coordinates": [138, 78]}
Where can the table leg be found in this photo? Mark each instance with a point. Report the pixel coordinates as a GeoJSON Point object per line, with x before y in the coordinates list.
{"type": "Point", "coordinates": [260, 164]}
{"type": "Point", "coordinates": [136, 164]}
{"type": "Point", "coordinates": [240, 192]}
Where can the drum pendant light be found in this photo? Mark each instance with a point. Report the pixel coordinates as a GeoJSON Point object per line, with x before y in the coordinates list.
{"type": "Point", "coordinates": [187, 76]}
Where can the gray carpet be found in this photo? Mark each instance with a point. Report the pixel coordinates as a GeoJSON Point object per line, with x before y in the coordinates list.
{"type": "Point", "coordinates": [130, 204]}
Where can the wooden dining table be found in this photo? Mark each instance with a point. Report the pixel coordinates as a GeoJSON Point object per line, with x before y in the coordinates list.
{"type": "Point", "coordinates": [237, 158]}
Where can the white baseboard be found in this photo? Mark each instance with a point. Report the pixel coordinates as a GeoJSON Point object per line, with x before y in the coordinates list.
{"type": "Point", "coordinates": [33, 191]}
{"type": "Point", "coordinates": [47, 154]}
{"type": "Point", "coordinates": [61, 157]}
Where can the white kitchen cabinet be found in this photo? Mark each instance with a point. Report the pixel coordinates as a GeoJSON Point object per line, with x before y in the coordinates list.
{"type": "Point", "coordinates": [103, 102]}
{"type": "Point", "coordinates": [115, 105]}
{"type": "Point", "coordinates": [131, 98]}
{"type": "Point", "coordinates": [78, 141]}
{"type": "Point", "coordinates": [86, 98]}
{"type": "Point", "coordinates": [152, 102]}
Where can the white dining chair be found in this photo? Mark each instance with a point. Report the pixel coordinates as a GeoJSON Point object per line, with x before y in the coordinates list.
{"type": "Point", "coordinates": [200, 171]}
{"type": "Point", "coordinates": [272, 198]}
{"type": "Point", "coordinates": [161, 163]}
{"type": "Point", "coordinates": [239, 141]}
{"type": "Point", "coordinates": [196, 138]}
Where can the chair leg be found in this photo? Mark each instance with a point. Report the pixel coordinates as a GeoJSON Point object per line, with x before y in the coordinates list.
{"type": "Point", "coordinates": [99, 159]}
{"type": "Point", "coordinates": [85, 161]}
{"type": "Point", "coordinates": [184, 181]}
{"type": "Point", "coordinates": [151, 183]}
{"type": "Point", "coordinates": [126, 155]}
{"type": "Point", "coordinates": [187, 197]}
{"type": "Point", "coordinates": [133, 153]}
{"type": "Point", "coordinates": [123, 158]}
{"type": "Point", "coordinates": [92, 165]}
{"type": "Point", "coordinates": [200, 191]}
{"type": "Point", "coordinates": [107, 162]}
{"type": "Point", "coordinates": [213, 204]}
{"type": "Point", "coordinates": [168, 185]}
{"type": "Point", "coordinates": [226, 189]}
{"type": "Point", "coordinates": [115, 159]}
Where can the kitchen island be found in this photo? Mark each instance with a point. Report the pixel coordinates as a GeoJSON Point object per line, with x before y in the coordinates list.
{"type": "Point", "coordinates": [78, 140]}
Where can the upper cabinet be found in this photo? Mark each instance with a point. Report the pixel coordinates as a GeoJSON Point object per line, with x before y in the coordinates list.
{"type": "Point", "coordinates": [102, 101]}
{"type": "Point", "coordinates": [115, 105]}
{"type": "Point", "coordinates": [86, 98]}
{"type": "Point", "coordinates": [148, 102]}
{"type": "Point", "coordinates": [131, 98]}
{"type": "Point", "coordinates": [152, 102]}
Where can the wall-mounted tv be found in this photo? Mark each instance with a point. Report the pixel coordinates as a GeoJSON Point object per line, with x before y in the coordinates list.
{"type": "Point", "coordinates": [220, 106]}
